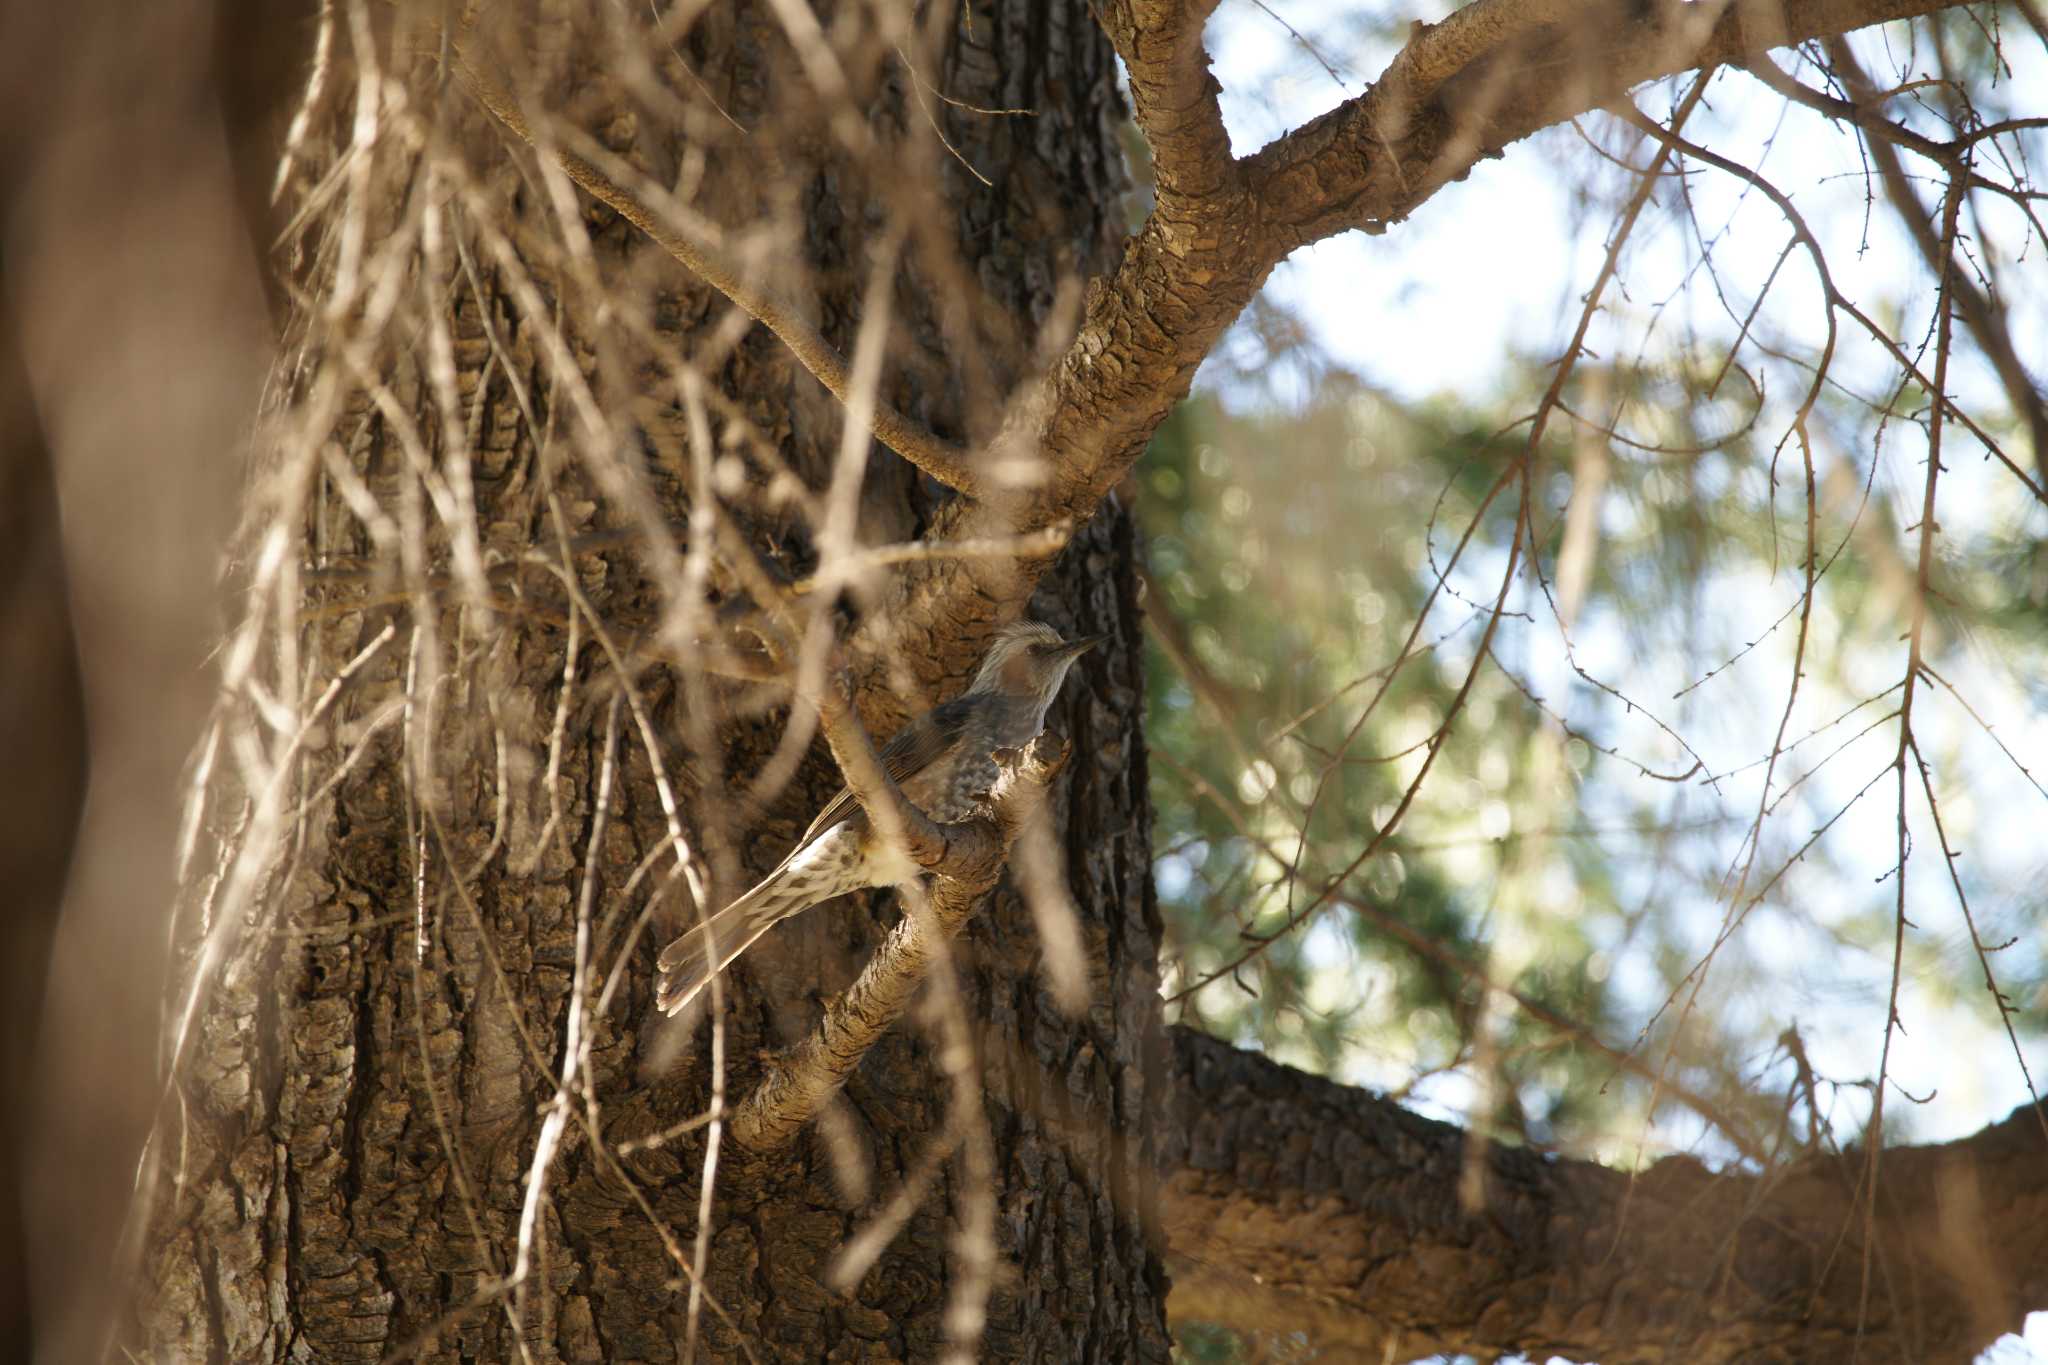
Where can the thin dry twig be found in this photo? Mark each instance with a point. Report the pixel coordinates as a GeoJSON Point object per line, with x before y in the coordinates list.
{"type": "Point", "coordinates": [701, 254]}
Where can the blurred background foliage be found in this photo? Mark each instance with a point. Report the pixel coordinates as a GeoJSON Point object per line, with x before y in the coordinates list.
{"type": "Point", "coordinates": [1281, 592]}
{"type": "Point", "coordinates": [1648, 897]}
{"type": "Point", "coordinates": [1581, 836]}
{"type": "Point", "coordinates": [1596, 834]}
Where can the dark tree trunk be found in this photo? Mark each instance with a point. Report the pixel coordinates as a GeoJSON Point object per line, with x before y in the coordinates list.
{"type": "Point", "coordinates": [363, 1084]}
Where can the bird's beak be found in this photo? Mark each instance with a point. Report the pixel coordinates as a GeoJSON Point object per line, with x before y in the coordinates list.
{"type": "Point", "coordinates": [1081, 646]}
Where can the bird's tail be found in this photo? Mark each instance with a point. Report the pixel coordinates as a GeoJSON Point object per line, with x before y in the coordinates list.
{"type": "Point", "coordinates": [706, 949]}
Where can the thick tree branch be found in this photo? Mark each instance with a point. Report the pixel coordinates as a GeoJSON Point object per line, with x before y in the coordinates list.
{"type": "Point", "coordinates": [1490, 75]}
{"type": "Point", "coordinates": [1173, 94]}
{"type": "Point", "coordinates": [1295, 1204]}
{"type": "Point", "coordinates": [973, 855]}
{"type": "Point", "coordinates": [1373, 160]}
{"type": "Point", "coordinates": [1436, 52]}
{"type": "Point", "coordinates": [701, 254]}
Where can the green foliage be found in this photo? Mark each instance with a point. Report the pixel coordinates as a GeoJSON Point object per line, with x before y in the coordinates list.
{"type": "Point", "coordinates": [1290, 550]}
{"type": "Point", "coordinates": [1561, 845]}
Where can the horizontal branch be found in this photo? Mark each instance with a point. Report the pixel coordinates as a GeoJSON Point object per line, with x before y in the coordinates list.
{"type": "Point", "coordinates": [973, 853]}
{"type": "Point", "coordinates": [1294, 1204]}
{"type": "Point", "coordinates": [1374, 159]}
{"type": "Point", "coordinates": [951, 465]}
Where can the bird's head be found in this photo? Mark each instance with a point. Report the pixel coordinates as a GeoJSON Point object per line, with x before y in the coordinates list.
{"type": "Point", "coordinates": [1029, 659]}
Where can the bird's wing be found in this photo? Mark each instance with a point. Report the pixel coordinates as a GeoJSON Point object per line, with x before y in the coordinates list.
{"type": "Point", "coordinates": [916, 747]}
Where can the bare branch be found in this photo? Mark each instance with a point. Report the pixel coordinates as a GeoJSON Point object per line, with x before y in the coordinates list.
{"type": "Point", "coordinates": [1424, 945]}
{"type": "Point", "coordinates": [1983, 312]}
{"type": "Point", "coordinates": [1835, 298]}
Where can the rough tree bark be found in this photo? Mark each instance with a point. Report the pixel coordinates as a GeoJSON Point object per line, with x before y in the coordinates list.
{"type": "Point", "coordinates": [343, 1168]}
{"type": "Point", "coordinates": [1295, 1205]}
{"type": "Point", "coordinates": [349, 1166]}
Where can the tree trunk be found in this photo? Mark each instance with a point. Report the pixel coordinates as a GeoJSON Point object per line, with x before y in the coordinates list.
{"type": "Point", "coordinates": [465, 738]}
{"type": "Point", "coordinates": [385, 996]}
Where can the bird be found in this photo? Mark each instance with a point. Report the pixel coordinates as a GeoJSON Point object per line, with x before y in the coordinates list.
{"type": "Point", "coordinates": [944, 761]}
